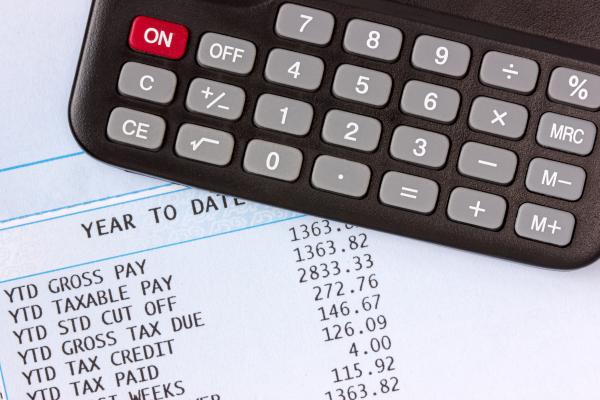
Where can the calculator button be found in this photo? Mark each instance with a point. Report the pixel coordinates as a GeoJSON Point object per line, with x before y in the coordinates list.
{"type": "Point", "coordinates": [215, 99]}
{"type": "Point", "coordinates": [409, 192]}
{"type": "Point", "coordinates": [509, 72]}
{"type": "Point", "coordinates": [488, 163]}
{"type": "Point", "coordinates": [340, 176]}
{"type": "Point", "coordinates": [568, 134]}
{"type": "Point", "coordinates": [362, 85]}
{"type": "Point", "coordinates": [294, 69]}
{"type": "Point", "coordinates": [574, 87]}
{"type": "Point", "coordinates": [420, 147]}
{"type": "Point", "coordinates": [373, 40]}
{"type": "Point", "coordinates": [556, 179]}
{"type": "Point", "coordinates": [351, 130]}
{"type": "Point", "coordinates": [283, 115]}
{"type": "Point", "coordinates": [147, 83]}
{"type": "Point", "coordinates": [545, 224]}
{"type": "Point", "coordinates": [476, 208]}
{"type": "Point", "coordinates": [226, 53]}
{"type": "Point", "coordinates": [136, 128]}
{"type": "Point", "coordinates": [204, 144]}
{"type": "Point", "coordinates": [441, 56]}
{"type": "Point", "coordinates": [159, 38]}
{"type": "Point", "coordinates": [273, 160]}
{"type": "Point", "coordinates": [498, 118]}
{"type": "Point", "coordinates": [305, 24]}
{"type": "Point", "coordinates": [429, 101]}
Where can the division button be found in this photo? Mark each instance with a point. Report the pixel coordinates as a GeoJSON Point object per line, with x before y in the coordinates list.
{"type": "Point", "coordinates": [340, 176]}
{"type": "Point", "coordinates": [215, 99]}
{"type": "Point", "coordinates": [477, 208]}
{"type": "Point", "coordinates": [351, 130]}
{"type": "Point", "coordinates": [305, 24]}
{"type": "Point", "coordinates": [273, 160]}
{"type": "Point", "coordinates": [147, 83]}
{"type": "Point", "coordinates": [362, 85]}
{"type": "Point", "coordinates": [420, 147]}
{"type": "Point", "coordinates": [498, 118]}
{"type": "Point", "coordinates": [136, 128]}
{"type": "Point", "coordinates": [545, 225]}
{"type": "Point", "coordinates": [509, 72]}
{"type": "Point", "coordinates": [409, 192]}
{"type": "Point", "coordinates": [556, 179]}
{"type": "Point", "coordinates": [283, 115]}
{"type": "Point", "coordinates": [568, 134]}
{"type": "Point", "coordinates": [441, 56]}
{"type": "Point", "coordinates": [433, 102]}
{"type": "Point", "coordinates": [159, 38]}
{"type": "Point", "coordinates": [574, 87]}
{"type": "Point", "coordinates": [204, 144]}
{"type": "Point", "coordinates": [294, 69]}
{"type": "Point", "coordinates": [487, 163]}
{"type": "Point", "coordinates": [226, 53]}
{"type": "Point", "coordinates": [373, 40]}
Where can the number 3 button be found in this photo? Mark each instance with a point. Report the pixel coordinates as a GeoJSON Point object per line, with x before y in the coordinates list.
{"type": "Point", "coordinates": [420, 147]}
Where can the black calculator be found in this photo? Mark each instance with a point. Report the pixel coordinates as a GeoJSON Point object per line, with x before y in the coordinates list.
{"type": "Point", "coordinates": [374, 113]}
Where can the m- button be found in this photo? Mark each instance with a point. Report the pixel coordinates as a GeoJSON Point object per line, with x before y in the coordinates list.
{"type": "Point", "coordinates": [226, 53]}
{"type": "Point", "coordinates": [159, 38]}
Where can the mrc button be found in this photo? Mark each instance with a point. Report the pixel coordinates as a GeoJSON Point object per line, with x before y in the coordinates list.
{"type": "Point", "coordinates": [568, 134]}
{"type": "Point", "coordinates": [159, 38]}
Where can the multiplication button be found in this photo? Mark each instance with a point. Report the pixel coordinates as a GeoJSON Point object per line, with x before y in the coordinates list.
{"type": "Point", "coordinates": [215, 99]}
{"type": "Point", "coordinates": [509, 72]}
{"type": "Point", "coordinates": [498, 118]}
{"type": "Point", "coordinates": [568, 134]}
{"type": "Point", "coordinates": [409, 192]}
{"type": "Point", "coordinates": [476, 208]}
{"type": "Point", "coordinates": [203, 144]}
{"type": "Point", "coordinates": [575, 87]}
{"type": "Point", "coordinates": [226, 53]}
{"type": "Point", "coordinates": [545, 225]}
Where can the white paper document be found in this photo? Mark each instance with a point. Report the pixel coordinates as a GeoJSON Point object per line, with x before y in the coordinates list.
{"type": "Point", "coordinates": [115, 286]}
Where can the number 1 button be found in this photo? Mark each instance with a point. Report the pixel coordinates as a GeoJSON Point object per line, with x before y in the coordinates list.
{"type": "Point", "coordinates": [305, 24]}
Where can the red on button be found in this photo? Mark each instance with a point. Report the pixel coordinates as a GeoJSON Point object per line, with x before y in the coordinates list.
{"type": "Point", "coordinates": [159, 38]}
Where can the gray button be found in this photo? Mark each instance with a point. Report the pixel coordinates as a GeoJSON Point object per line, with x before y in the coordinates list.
{"type": "Point", "coordinates": [477, 208]}
{"type": "Point", "coordinates": [373, 40]}
{"type": "Point", "coordinates": [429, 101]}
{"type": "Point", "coordinates": [136, 128]}
{"type": "Point", "coordinates": [575, 87]}
{"type": "Point", "coordinates": [567, 134]}
{"type": "Point", "coordinates": [226, 53]}
{"type": "Point", "coordinates": [283, 115]}
{"type": "Point", "coordinates": [294, 69]}
{"type": "Point", "coordinates": [509, 72]}
{"type": "Point", "coordinates": [409, 192]}
{"type": "Point", "coordinates": [488, 163]}
{"type": "Point", "coordinates": [420, 147]}
{"type": "Point", "coordinates": [273, 160]}
{"type": "Point", "coordinates": [498, 118]}
{"type": "Point", "coordinates": [341, 176]}
{"type": "Point", "coordinates": [216, 99]}
{"type": "Point", "coordinates": [556, 179]}
{"type": "Point", "coordinates": [351, 130]}
{"type": "Point", "coordinates": [442, 56]}
{"type": "Point", "coordinates": [362, 85]}
{"type": "Point", "coordinates": [147, 83]}
{"type": "Point", "coordinates": [204, 144]}
{"type": "Point", "coordinates": [305, 24]}
{"type": "Point", "coordinates": [545, 224]}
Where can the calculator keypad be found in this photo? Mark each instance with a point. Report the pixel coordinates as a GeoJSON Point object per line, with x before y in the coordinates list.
{"type": "Point", "coordinates": [352, 108]}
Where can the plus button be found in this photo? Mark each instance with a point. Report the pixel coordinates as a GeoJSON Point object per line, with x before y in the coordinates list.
{"type": "Point", "coordinates": [477, 209]}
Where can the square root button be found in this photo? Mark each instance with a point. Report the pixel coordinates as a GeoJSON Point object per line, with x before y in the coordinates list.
{"type": "Point", "coordinates": [203, 144]}
{"type": "Point", "coordinates": [545, 225]}
{"type": "Point", "coordinates": [476, 208]}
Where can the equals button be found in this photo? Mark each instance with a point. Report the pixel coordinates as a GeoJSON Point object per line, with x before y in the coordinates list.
{"type": "Point", "coordinates": [409, 192]}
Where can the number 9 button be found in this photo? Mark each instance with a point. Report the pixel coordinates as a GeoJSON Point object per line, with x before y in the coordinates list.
{"type": "Point", "coordinates": [441, 56]}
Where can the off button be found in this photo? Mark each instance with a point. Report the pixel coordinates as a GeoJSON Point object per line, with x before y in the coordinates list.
{"type": "Point", "coordinates": [158, 37]}
{"type": "Point", "coordinates": [226, 53]}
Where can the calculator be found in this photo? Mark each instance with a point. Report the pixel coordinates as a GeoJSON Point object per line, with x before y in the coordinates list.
{"type": "Point", "coordinates": [379, 114]}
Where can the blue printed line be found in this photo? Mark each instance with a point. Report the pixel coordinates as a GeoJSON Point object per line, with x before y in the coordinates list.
{"type": "Point", "coordinates": [47, 160]}
{"type": "Point", "coordinates": [95, 209]}
{"type": "Point", "coordinates": [164, 246]}
{"type": "Point", "coordinates": [84, 203]}
{"type": "Point", "coordinates": [3, 382]}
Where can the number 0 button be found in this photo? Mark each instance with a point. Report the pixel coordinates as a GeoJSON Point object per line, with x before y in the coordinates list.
{"type": "Point", "coordinates": [273, 160]}
{"type": "Point", "coordinates": [305, 24]}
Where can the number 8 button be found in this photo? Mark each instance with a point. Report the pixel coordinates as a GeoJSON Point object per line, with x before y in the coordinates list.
{"type": "Point", "coordinates": [373, 40]}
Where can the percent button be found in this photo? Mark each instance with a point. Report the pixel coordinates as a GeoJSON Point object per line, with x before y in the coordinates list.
{"type": "Point", "coordinates": [575, 87]}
